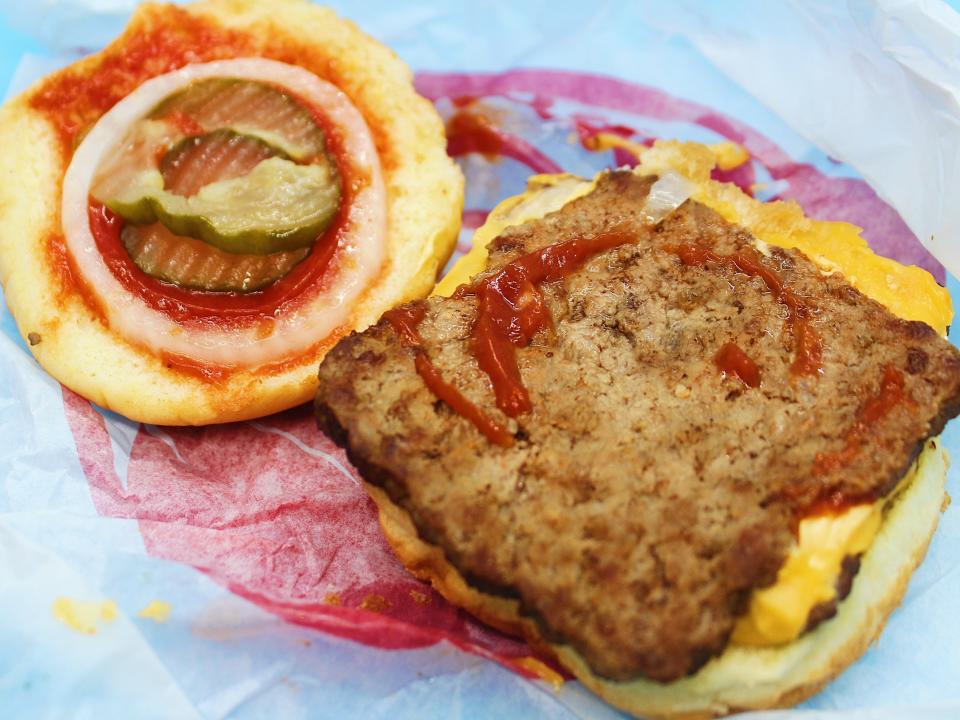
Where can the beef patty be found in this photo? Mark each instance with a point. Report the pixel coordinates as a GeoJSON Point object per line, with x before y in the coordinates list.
{"type": "Point", "coordinates": [646, 493]}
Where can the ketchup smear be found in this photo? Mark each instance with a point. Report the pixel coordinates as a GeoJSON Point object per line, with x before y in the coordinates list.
{"type": "Point", "coordinates": [469, 131]}
{"type": "Point", "coordinates": [807, 345]}
{"type": "Point", "coordinates": [511, 310]}
{"type": "Point", "coordinates": [405, 321]}
{"type": "Point", "coordinates": [733, 361]}
{"type": "Point", "coordinates": [890, 395]}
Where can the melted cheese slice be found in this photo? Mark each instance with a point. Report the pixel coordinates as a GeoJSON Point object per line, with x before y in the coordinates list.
{"type": "Point", "coordinates": [777, 614]}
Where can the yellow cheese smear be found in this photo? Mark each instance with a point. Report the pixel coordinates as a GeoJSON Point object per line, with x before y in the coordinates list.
{"type": "Point", "coordinates": [82, 616]}
{"type": "Point", "coordinates": [541, 670]}
{"type": "Point", "coordinates": [156, 610]}
{"type": "Point", "coordinates": [777, 614]}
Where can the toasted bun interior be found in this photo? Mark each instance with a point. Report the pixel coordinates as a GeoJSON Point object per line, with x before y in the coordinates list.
{"type": "Point", "coordinates": [424, 202]}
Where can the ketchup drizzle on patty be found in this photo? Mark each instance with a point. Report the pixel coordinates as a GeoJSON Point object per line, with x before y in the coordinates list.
{"type": "Point", "coordinates": [807, 344]}
{"type": "Point", "coordinates": [890, 394]}
{"type": "Point", "coordinates": [731, 360]}
{"type": "Point", "coordinates": [512, 309]}
{"type": "Point", "coordinates": [404, 321]}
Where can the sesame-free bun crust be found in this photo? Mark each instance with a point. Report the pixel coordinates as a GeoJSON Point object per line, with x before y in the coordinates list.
{"type": "Point", "coordinates": [67, 335]}
{"type": "Point", "coordinates": [742, 678]}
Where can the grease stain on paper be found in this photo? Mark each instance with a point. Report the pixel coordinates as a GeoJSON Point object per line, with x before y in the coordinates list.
{"type": "Point", "coordinates": [375, 603]}
{"type": "Point", "coordinates": [419, 598]}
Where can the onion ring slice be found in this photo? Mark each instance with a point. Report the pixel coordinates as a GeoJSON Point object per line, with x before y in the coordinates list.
{"type": "Point", "coordinates": [361, 244]}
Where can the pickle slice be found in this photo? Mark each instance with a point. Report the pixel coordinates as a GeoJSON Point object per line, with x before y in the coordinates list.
{"type": "Point", "coordinates": [130, 164]}
{"type": "Point", "coordinates": [133, 201]}
{"type": "Point", "coordinates": [277, 206]}
{"type": "Point", "coordinates": [192, 263]}
{"type": "Point", "coordinates": [238, 164]}
{"type": "Point", "coordinates": [219, 155]}
{"type": "Point", "coordinates": [251, 108]}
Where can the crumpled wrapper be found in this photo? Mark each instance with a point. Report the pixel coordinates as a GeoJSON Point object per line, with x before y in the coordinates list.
{"type": "Point", "coordinates": [239, 570]}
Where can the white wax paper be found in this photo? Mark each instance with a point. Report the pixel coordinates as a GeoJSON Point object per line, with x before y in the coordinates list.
{"type": "Point", "coordinates": [93, 507]}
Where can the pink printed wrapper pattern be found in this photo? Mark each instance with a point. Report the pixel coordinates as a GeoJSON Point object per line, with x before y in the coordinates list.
{"type": "Point", "coordinates": [273, 511]}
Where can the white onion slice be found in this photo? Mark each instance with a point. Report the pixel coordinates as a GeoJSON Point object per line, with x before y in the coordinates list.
{"type": "Point", "coordinates": [669, 192]}
{"type": "Point", "coordinates": [362, 245]}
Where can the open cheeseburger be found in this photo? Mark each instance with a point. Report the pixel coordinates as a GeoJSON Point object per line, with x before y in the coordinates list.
{"type": "Point", "coordinates": [203, 208]}
{"type": "Point", "coordinates": [679, 439]}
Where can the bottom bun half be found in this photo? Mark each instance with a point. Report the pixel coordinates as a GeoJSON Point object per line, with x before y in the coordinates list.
{"type": "Point", "coordinates": [741, 678]}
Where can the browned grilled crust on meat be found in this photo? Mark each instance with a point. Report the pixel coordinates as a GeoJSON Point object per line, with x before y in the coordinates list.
{"type": "Point", "coordinates": [646, 495]}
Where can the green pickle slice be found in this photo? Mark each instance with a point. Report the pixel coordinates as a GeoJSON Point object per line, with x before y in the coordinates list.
{"type": "Point", "coordinates": [191, 263]}
{"type": "Point", "coordinates": [248, 107]}
{"type": "Point", "coordinates": [225, 186]}
{"type": "Point", "coordinates": [219, 155]}
{"type": "Point", "coordinates": [278, 206]}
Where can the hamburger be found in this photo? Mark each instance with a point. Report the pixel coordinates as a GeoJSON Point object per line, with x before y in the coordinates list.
{"type": "Point", "coordinates": [195, 215]}
{"type": "Point", "coordinates": [680, 440]}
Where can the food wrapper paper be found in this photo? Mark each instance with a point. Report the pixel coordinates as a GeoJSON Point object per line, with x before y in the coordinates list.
{"type": "Point", "coordinates": [239, 571]}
